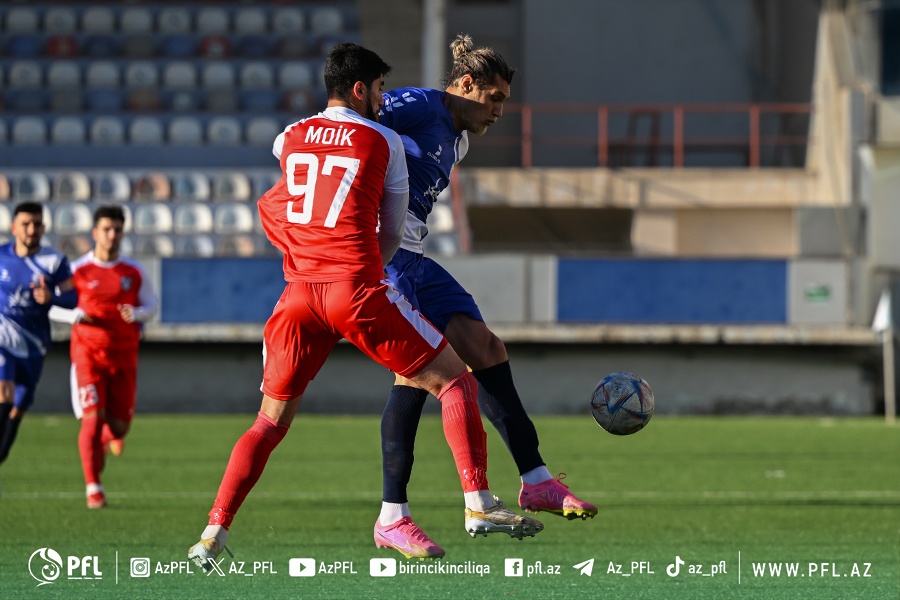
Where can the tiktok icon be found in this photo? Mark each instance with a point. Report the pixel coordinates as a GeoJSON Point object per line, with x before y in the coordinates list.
{"type": "Point", "coordinates": [675, 568]}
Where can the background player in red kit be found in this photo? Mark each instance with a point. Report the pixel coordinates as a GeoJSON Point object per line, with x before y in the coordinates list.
{"type": "Point", "coordinates": [114, 298]}
{"type": "Point", "coordinates": [338, 214]}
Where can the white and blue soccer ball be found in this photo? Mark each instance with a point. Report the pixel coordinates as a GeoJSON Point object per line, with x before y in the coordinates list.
{"type": "Point", "coordinates": [622, 403]}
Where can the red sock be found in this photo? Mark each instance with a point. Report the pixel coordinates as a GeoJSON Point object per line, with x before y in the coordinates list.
{"type": "Point", "coordinates": [248, 459]}
{"type": "Point", "coordinates": [90, 448]}
{"type": "Point", "coordinates": [464, 431]}
{"type": "Point", "coordinates": [106, 435]}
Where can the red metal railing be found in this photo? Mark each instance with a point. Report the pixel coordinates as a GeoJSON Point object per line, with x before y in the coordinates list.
{"type": "Point", "coordinates": [535, 119]}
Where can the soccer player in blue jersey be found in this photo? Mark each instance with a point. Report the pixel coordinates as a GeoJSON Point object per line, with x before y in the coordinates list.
{"type": "Point", "coordinates": [434, 126]}
{"type": "Point", "coordinates": [32, 279]}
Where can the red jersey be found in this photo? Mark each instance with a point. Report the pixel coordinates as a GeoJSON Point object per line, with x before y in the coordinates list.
{"type": "Point", "coordinates": [102, 288]}
{"type": "Point", "coordinates": [323, 213]}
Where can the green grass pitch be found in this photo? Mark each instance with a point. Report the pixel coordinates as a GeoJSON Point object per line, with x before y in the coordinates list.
{"type": "Point", "coordinates": [735, 499]}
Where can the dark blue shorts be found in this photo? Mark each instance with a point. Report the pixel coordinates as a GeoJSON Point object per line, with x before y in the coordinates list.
{"type": "Point", "coordinates": [430, 288]}
{"type": "Point", "coordinates": [24, 372]}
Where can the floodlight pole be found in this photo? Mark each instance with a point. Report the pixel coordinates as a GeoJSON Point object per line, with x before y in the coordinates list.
{"type": "Point", "coordinates": [890, 399]}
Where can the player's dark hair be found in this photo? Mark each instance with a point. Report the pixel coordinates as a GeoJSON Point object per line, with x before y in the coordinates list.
{"type": "Point", "coordinates": [114, 213]}
{"type": "Point", "coordinates": [348, 63]}
{"type": "Point", "coordinates": [31, 208]}
{"type": "Point", "coordinates": [483, 64]}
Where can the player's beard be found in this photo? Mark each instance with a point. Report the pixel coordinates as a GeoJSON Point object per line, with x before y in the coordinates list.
{"type": "Point", "coordinates": [371, 113]}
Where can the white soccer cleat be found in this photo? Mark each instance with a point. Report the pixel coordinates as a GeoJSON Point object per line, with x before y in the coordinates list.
{"type": "Point", "coordinates": [204, 552]}
{"type": "Point", "coordinates": [499, 519]}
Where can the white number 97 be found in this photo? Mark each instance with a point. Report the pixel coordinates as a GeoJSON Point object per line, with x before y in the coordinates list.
{"type": "Point", "coordinates": [308, 190]}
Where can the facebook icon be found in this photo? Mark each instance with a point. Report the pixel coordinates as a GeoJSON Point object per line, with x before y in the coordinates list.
{"type": "Point", "coordinates": [513, 567]}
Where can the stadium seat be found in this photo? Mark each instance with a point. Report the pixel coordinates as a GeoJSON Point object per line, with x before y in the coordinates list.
{"type": "Point", "coordinates": [143, 100]}
{"type": "Point", "coordinates": [174, 19]}
{"type": "Point", "coordinates": [102, 46]}
{"type": "Point", "coordinates": [191, 186]}
{"type": "Point", "coordinates": [60, 19]}
{"type": "Point", "coordinates": [112, 186]}
{"type": "Point", "coordinates": [139, 46]}
{"type": "Point", "coordinates": [74, 246]}
{"type": "Point", "coordinates": [180, 74]}
{"type": "Point", "coordinates": [199, 245]}
{"type": "Point", "coordinates": [102, 74]}
{"type": "Point", "coordinates": [72, 218]}
{"type": "Point", "coordinates": [25, 46]}
{"type": "Point", "coordinates": [260, 101]}
{"type": "Point", "coordinates": [256, 75]}
{"type": "Point", "coordinates": [263, 182]}
{"type": "Point", "coordinates": [22, 19]}
{"type": "Point", "coordinates": [255, 47]}
{"type": "Point", "coordinates": [145, 131]}
{"type": "Point", "coordinates": [223, 131]}
{"type": "Point", "coordinates": [29, 131]}
{"type": "Point", "coordinates": [71, 186]}
{"type": "Point", "coordinates": [159, 245]}
{"type": "Point", "coordinates": [250, 20]}
{"type": "Point", "coordinates": [4, 189]}
{"type": "Point", "coordinates": [193, 217]}
{"type": "Point", "coordinates": [152, 217]}
{"type": "Point", "coordinates": [262, 131]}
{"type": "Point", "coordinates": [326, 20]}
{"type": "Point", "coordinates": [25, 74]}
{"type": "Point", "coordinates": [230, 186]}
{"type": "Point", "coordinates": [183, 101]}
{"type": "Point", "coordinates": [236, 245]}
{"type": "Point", "coordinates": [288, 20]}
{"type": "Point", "coordinates": [296, 75]}
{"type": "Point", "coordinates": [107, 131]}
{"type": "Point", "coordinates": [108, 101]}
{"type": "Point", "coordinates": [63, 74]}
{"type": "Point", "coordinates": [294, 47]}
{"type": "Point", "coordinates": [26, 101]}
{"type": "Point", "coordinates": [136, 20]}
{"type": "Point", "coordinates": [221, 101]}
{"type": "Point", "coordinates": [152, 186]}
{"type": "Point", "coordinates": [215, 47]}
{"type": "Point", "coordinates": [185, 131]}
{"type": "Point", "coordinates": [5, 217]}
{"type": "Point", "coordinates": [127, 245]}
{"type": "Point", "coordinates": [61, 46]}
{"type": "Point", "coordinates": [68, 131]}
{"type": "Point", "coordinates": [298, 102]}
{"type": "Point", "coordinates": [218, 75]}
{"type": "Point", "coordinates": [178, 46]}
{"type": "Point", "coordinates": [141, 73]}
{"type": "Point", "coordinates": [98, 19]}
{"type": "Point", "coordinates": [32, 187]}
{"type": "Point", "coordinates": [66, 101]}
{"type": "Point", "coordinates": [212, 19]}
{"type": "Point", "coordinates": [233, 217]}
{"type": "Point", "coordinates": [441, 218]}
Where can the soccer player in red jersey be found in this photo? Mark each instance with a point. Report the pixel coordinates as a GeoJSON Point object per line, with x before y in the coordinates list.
{"type": "Point", "coordinates": [114, 298]}
{"type": "Point", "coordinates": [337, 214]}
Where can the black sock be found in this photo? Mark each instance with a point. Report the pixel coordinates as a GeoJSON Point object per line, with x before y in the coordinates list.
{"type": "Point", "coordinates": [500, 403]}
{"type": "Point", "coordinates": [9, 427]}
{"type": "Point", "coordinates": [399, 423]}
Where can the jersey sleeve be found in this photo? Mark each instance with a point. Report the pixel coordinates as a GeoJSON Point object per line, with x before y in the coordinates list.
{"type": "Point", "coordinates": [404, 109]}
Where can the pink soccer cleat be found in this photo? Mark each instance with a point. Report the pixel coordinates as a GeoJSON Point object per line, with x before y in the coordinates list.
{"type": "Point", "coordinates": [116, 446]}
{"type": "Point", "coordinates": [96, 500]}
{"type": "Point", "coordinates": [553, 496]}
{"type": "Point", "coordinates": [407, 538]}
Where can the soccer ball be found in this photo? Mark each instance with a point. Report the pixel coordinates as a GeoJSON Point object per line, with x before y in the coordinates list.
{"type": "Point", "coordinates": [622, 403]}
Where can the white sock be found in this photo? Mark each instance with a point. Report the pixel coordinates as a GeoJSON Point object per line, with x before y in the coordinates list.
{"type": "Point", "coordinates": [480, 500]}
{"type": "Point", "coordinates": [536, 476]}
{"type": "Point", "coordinates": [391, 512]}
{"type": "Point", "coordinates": [215, 531]}
{"type": "Point", "coordinates": [93, 488]}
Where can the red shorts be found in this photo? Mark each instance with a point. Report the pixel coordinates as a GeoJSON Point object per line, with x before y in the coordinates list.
{"type": "Point", "coordinates": [310, 318]}
{"type": "Point", "coordinates": [98, 383]}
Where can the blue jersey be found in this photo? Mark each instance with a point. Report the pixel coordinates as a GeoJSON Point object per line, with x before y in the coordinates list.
{"type": "Point", "coordinates": [432, 147]}
{"type": "Point", "coordinates": [24, 325]}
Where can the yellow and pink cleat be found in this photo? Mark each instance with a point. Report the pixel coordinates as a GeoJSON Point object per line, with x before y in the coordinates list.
{"type": "Point", "coordinates": [553, 496]}
{"type": "Point", "coordinates": [407, 538]}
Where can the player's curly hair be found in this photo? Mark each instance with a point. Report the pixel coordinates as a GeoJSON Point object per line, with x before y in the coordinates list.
{"type": "Point", "coordinates": [483, 64]}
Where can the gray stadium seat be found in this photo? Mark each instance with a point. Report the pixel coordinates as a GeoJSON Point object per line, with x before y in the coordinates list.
{"type": "Point", "coordinates": [60, 19]}
{"type": "Point", "coordinates": [98, 19]}
{"type": "Point", "coordinates": [5, 217]}
{"type": "Point", "coordinates": [180, 74]}
{"type": "Point", "coordinates": [218, 75]}
{"type": "Point", "coordinates": [236, 245]}
{"type": "Point", "coordinates": [72, 186]}
{"type": "Point", "coordinates": [326, 20]}
{"type": "Point", "coordinates": [190, 186]}
{"type": "Point", "coordinates": [250, 20]}
{"type": "Point", "coordinates": [30, 131]}
{"type": "Point", "coordinates": [287, 20]}
{"type": "Point", "coordinates": [296, 75]}
{"type": "Point", "coordinates": [221, 101]}
{"type": "Point", "coordinates": [25, 75]}
{"type": "Point", "coordinates": [174, 20]}
{"type": "Point", "coordinates": [22, 19]}
{"type": "Point", "coordinates": [72, 218]}
{"type": "Point", "coordinates": [142, 73]}
{"type": "Point", "coordinates": [136, 20]}
{"type": "Point", "coordinates": [262, 131]}
{"type": "Point", "coordinates": [185, 131]}
{"type": "Point", "coordinates": [223, 131]}
{"type": "Point", "coordinates": [107, 131]}
{"type": "Point", "coordinates": [141, 45]}
{"type": "Point", "coordinates": [231, 186]}
{"type": "Point", "coordinates": [154, 245]}
{"type": "Point", "coordinates": [193, 217]}
{"type": "Point", "coordinates": [152, 186]}
{"type": "Point", "coordinates": [63, 74]}
{"type": "Point", "coordinates": [145, 131]}
{"type": "Point", "coordinates": [32, 187]}
{"type": "Point", "coordinates": [112, 186]}
{"type": "Point", "coordinates": [102, 74]}
{"type": "Point", "coordinates": [233, 217]}
{"type": "Point", "coordinates": [152, 218]}
{"type": "Point", "coordinates": [68, 131]}
{"type": "Point", "coordinates": [199, 245]}
{"type": "Point", "coordinates": [212, 20]}
{"type": "Point", "coordinates": [256, 75]}
{"type": "Point", "coordinates": [66, 100]}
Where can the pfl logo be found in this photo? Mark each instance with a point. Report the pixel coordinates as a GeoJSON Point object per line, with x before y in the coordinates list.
{"type": "Point", "coordinates": [45, 565]}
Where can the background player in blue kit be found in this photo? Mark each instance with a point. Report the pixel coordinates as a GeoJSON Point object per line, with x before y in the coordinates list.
{"type": "Point", "coordinates": [32, 279]}
{"type": "Point", "coordinates": [434, 126]}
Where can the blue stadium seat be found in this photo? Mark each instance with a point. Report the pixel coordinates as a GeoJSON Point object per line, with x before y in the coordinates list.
{"type": "Point", "coordinates": [141, 73]}
{"type": "Point", "coordinates": [108, 101]}
{"type": "Point", "coordinates": [25, 46]}
{"type": "Point", "coordinates": [68, 131]}
{"type": "Point", "coordinates": [178, 46]}
{"type": "Point", "coordinates": [107, 131]}
{"type": "Point", "coordinates": [260, 100]}
{"type": "Point", "coordinates": [26, 101]}
{"type": "Point", "coordinates": [230, 186]}
{"type": "Point", "coordinates": [192, 186]}
{"type": "Point", "coordinates": [221, 101]}
{"type": "Point", "coordinates": [224, 131]}
{"type": "Point", "coordinates": [257, 74]}
{"type": "Point", "coordinates": [174, 19]}
{"type": "Point", "coordinates": [255, 46]}
{"type": "Point", "coordinates": [214, 47]}
{"type": "Point", "coordinates": [112, 186]}
{"type": "Point", "coordinates": [102, 46]}
{"type": "Point", "coordinates": [31, 187]}
{"type": "Point", "coordinates": [182, 101]}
